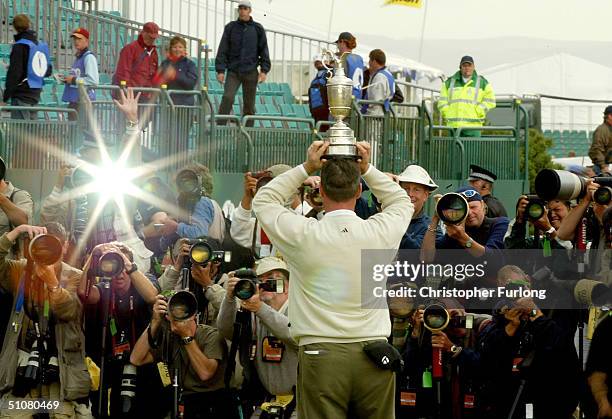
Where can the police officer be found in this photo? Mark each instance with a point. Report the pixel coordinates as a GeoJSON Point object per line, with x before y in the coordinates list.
{"type": "Point", "coordinates": [482, 180]}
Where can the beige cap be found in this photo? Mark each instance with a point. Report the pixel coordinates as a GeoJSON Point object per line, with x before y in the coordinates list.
{"type": "Point", "coordinates": [271, 263]}
{"type": "Point", "coordinates": [416, 174]}
{"type": "Point", "coordinates": [278, 169]}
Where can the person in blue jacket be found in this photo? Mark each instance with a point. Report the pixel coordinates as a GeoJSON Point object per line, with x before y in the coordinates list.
{"type": "Point", "coordinates": [352, 63]}
{"type": "Point", "coordinates": [29, 64]}
{"type": "Point", "coordinates": [178, 72]}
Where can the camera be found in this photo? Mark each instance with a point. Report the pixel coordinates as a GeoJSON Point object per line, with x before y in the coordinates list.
{"type": "Point", "coordinates": [247, 286]}
{"type": "Point", "coordinates": [263, 178]}
{"type": "Point", "coordinates": [203, 251]}
{"type": "Point", "coordinates": [110, 265]}
{"type": "Point", "coordinates": [563, 185]}
{"type": "Point", "coordinates": [437, 318]}
{"type": "Point", "coordinates": [188, 182]}
{"type": "Point", "coordinates": [181, 305]}
{"type": "Point", "coordinates": [535, 208]}
{"type": "Point", "coordinates": [128, 387]}
{"type": "Point", "coordinates": [452, 208]}
{"type": "Point", "coordinates": [77, 178]}
{"type": "Point", "coordinates": [45, 250]}
{"type": "Point", "coordinates": [584, 291]}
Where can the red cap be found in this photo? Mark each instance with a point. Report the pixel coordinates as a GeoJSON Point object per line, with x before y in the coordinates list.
{"type": "Point", "coordinates": [80, 33]}
{"type": "Point", "coordinates": [151, 28]}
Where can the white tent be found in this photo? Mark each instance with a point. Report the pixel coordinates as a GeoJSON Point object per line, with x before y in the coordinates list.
{"type": "Point", "coordinates": [562, 75]}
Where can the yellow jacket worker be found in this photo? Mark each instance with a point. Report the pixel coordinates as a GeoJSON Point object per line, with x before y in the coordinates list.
{"type": "Point", "coordinates": [465, 98]}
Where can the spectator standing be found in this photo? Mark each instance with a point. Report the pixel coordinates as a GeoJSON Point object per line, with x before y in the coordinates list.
{"type": "Point", "coordinates": [84, 68]}
{"type": "Point", "coordinates": [317, 94]}
{"type": "Point", "coordinates": [465, 98]}
{"type": "Point", "coordinates": [352, 63]}
{"type": "Point", "coordinates": [178, 72]}
{"type": "Point", "coordinates": [482, 180]}
{"type": "Point", "coordinates": [28, 66]}
{"type": "Point", "coordinates": [601, 147]}
{"type": "Point", "coordinates": [242, 49]}
{"type": "Point", "coordinates": [327, 318]}
{"type": "Point", "coordinates": [382, 84]}
{"type": "Point", "coordinates": [138, 61]}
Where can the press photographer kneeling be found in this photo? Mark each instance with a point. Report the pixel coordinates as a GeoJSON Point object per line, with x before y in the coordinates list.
{"type": "Point", "coordinates": [47, 359]}
{"type": "Point", "coordinates": [197, 352]}
{"type": "Point", "coordinates": [260, 329]}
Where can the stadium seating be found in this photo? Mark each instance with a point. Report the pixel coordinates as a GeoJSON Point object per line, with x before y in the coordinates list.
{"type": "Point", "coordinates": [568, 141]}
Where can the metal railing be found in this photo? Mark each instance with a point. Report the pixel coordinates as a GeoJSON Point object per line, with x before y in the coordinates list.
{"type": "Point", "coordinates": [108, 35]}
{"type": "Point", "coordinates": [42, 13]}
{"type": "Point", "coordinates": [291, 54]}
{"type": "Point", "coordinates": [45, 143]}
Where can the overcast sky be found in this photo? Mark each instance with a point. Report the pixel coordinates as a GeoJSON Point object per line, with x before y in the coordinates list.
{"type": "Point", "coordinates": [552, 19]}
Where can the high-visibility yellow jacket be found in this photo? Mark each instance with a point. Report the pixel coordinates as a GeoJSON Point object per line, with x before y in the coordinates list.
{"type": "Point", "coordinates": [466, 104]}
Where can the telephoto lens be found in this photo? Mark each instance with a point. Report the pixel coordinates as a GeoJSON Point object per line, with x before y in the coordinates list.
{"type": "Point", "coordinates": [603, 195]}
{"type": "Point", "coordinates": [187, 181]}
{"type": "Point", "coordinates": [45, 250]}
{"type": "Point", "coordinates": [110, 265]}
{"type": "Point", "coordinates": [182, 305]}
{"type": "Point", "coordinates": [452, 208]}
{"type": "Point", "coordinates": [535, 208]}
{"type": "Point", "coordinates": [32, 371]}
{"type": "Point", "coordinates": [435, 317]}
{"type": "Point", "coordinates": [128, 387]}
{"type": "Point", "coordinates": [247, 286]}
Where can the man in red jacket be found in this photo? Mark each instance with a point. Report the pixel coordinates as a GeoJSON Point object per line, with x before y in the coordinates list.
{"type": "Point", "coordinates": [138, 61]}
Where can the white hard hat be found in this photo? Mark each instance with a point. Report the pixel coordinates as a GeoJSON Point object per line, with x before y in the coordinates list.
{"type": "Point", "coordinates": [416, 174]}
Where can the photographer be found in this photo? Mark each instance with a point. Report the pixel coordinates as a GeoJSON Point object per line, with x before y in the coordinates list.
{"type": "Point", "coordinates": [599, 368]}
{"type": "Point", "coordinates": [526, 358]}
{"type": "Point", "coordinates": [57, 371]}
{"type": "Point", "coordinates": [476, 233]}
{"type": "Point", "coordinates": [275, 356]}
{"type": "Point", "coordinates": [245, 230]}
{"type": "Point", "coordinates": [418, 185]}
{"type": "Point", "coordinates": [127, 303]}
{"type": "Point", "coordinates": [200, 214]}
{"type": "Point", "coordinates": [332, 328]}
{"type": "Point", "coordinates": [482, 180]}
{"type": "Point", "coordinates": [16, 205]}
{"type": "Point", "coordinates": [208, 281]}
{"type": "Point", "coordinates": [554, 213]}
{"type": "Point", "coordinates": [198, 351]}
{"type": "Point", "coordinates": [461, 363]}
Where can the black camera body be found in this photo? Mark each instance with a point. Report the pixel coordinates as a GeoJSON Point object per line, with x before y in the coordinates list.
{"type": "Point", "coordinates": [203, 251]}
{"type": "Point", "coordinates": [535, 208]}
{"type": "Point", "coordinates": [247, 286]}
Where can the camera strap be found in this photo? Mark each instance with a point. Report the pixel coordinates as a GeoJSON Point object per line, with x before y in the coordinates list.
{"type": "Point", "coordinates": [122, 346]}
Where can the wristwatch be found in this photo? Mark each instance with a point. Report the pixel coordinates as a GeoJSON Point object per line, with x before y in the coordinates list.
{"type": "Point", "coordinates": [456, 349]}
{"type": "Point", "coordinates": [186, 340]}
{"type": "Point", "coordinates": [134, 269]}
{"type": "Point", "coordinates": [550, 231]}
{"type": "Point", "coordinates": [468, 243]}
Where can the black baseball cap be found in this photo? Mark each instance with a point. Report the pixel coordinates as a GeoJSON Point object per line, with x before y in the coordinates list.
{"type": "Point", "coordinates": [466, 59]}
{"type": "Point", "coordinates": [608, 110]}
{"type": "Point", "coordinates": [345, 36]}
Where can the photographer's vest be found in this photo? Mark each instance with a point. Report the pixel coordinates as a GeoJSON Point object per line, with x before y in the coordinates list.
{"type": "Point", "coordinates": [38, 63]}
{"type": "Point", "coordinates": [315, 92]}
{"type": "Point", "coordinates": [71, 91]}
{"type": "Point", "coordinates": [73, 375]}
{"type": "Point", "coordinates": [354, 71]}
{"type": "Point", "coordinates": [390, 80]}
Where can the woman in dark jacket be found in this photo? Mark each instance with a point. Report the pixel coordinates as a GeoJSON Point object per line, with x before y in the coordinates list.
{"type": "Point", "coordinates": [178, 72]}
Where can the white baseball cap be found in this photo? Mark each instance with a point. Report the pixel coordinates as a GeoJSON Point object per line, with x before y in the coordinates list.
{"type": "Point", "coordinates": [271, 263]}
{"type": "Point", "coordinates": [416, 174]}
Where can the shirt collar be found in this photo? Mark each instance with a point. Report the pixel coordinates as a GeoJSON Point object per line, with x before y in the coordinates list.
{"type": "Point", "coordinates": [339, 213]}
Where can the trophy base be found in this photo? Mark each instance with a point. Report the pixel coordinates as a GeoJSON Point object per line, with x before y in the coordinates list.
{"type": "Point", "coordinates": [341, 151]}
